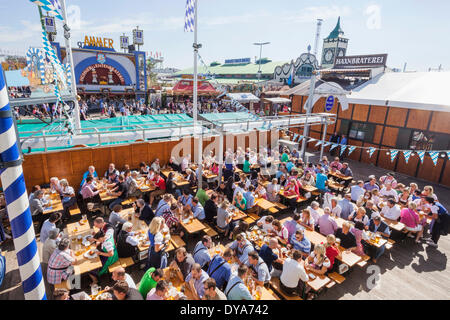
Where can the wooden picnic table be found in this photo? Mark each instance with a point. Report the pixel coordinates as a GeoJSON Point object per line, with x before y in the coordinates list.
{"type": "Point", "coordinates": [146, 186]}
{"type": "Point", "coordinates": [319, 282]}
{"type": "Point", "coordinates": [166, 172]}
{"type": "Point", "coordinates": [75, 229]}
{"type": "Point", "coordinates": [309, 188]}
{"type": "Point", "coordinates": [55, 206]}
{"type": "Point", "coordinates": [393, 224]}
{"type": "Point", "coordinates": [193, 227]}
{"type": "Point", "coordinates": [177, 284]}
{"type": "Point", "coordinates": [238, 215]}
{"type": "Point", "coordinates": [339, 176]}
{"type": "Point", "coordinates": [264, 204]}
{"type": "Point", "coordinates": [281, 193]}
{"type": "Point", "coordinates": [83, 265]}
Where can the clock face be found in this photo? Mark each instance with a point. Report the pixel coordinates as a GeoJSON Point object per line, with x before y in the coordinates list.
{"type": "Point", "coordinates": [328, 55]}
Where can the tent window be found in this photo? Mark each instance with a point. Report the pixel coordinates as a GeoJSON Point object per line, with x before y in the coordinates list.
{"type": "Point", "coordinates": [361, 131]}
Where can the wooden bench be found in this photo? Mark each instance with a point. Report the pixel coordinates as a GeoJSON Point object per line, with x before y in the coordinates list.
{"type": "Point", "coordinates": [210, 232]}
{"type": "Point", "coordinates": [330, 284]}
{"type": "Point", "coordinates": [336, 277]}
{"type": "Point", "coordinates": [177, 242]}
{"type": "Point", "coordinates": [129, 201]}
{"type": "Point", "coordinates": [276, 287]}
{"type": "Point", "coordinates": [301, 199]}
{"type": "Point", "coordinates": [273, 210]}
{"type": "Point", "coordinates": [254, 216]}
{"type": "Point", "coordinates": [114, 266]}
{"type": "Point", "coordinates": [63, 285]}
{"type": "Point", "coordinates": [363, 261]}
{"type": "Point", "coordinates": [390, 243]}
{"type": "Point", "coordinates": [122, 262]}
{"type": "Point", "coordinates": [280, 206]}
{"type": "Point", "coordinates": [249, 220]}
{"type": "Point", "coordinates": [74, 211]}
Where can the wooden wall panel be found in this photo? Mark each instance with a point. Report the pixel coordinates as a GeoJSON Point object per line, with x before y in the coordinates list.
{"type": "Point", "coordinates": [440, 122]}
{"type": "Point", "coordinates": [396, 117]}
{"type": "Point", "coordinates": [446, 176]}
{"type": "Point", "coordinates": [360, 112]}
{"type": "Point", "coordinates": [347, 114]}
{"type": "Point", "coordinates": [33, 170]}
{"type": "Point", "coordinates": [139, 153]}
{"type": "Point", "coordinates": [319, 106]}
{"type": "Point", "coordinates": [365, 155]}
{"type": "Point", "coordinates": [377, 114]}
{"type": "Point", "coordinates": [418, 119]}
{"type": "Point", "coordinates": [384, 161]}
{"type": "Point", "coordinates": [101, 158]}
{"type": "Point", "coordinates": [296, 103]}
{"type": "Point", "coordinates": [357, 152]}
{"type": "Point", "coordinates": [428, 171]}
{"type": "Point", "coordinates": [59, 165]}
{"type": "Point", "coordinates": [377, 134]}
{"type": "Point", "coordinates": [407, 168]}
{"type": "Point", "coordinates": [390, 136]}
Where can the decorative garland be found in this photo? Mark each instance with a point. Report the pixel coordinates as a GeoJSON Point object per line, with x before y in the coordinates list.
{"type": "Point", "coordinates": [434, 154]}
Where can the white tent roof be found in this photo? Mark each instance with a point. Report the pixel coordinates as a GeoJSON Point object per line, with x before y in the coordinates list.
{"type": "Point", "coordinates": [415, 90]}
{"type": "Point", "coordinates": [278, 100]}
{"type": "Point", "coordinates": [243, 97]}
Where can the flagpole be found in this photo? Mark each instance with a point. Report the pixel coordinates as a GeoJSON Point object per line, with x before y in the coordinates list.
{"type": "Point", "coordinates": [195, 93]}
{"type": "Point", "coordinates": [76, 111]}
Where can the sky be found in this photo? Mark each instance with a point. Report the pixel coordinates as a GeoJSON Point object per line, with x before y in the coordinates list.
{"type": "Point", "coordinates": [414, 32]}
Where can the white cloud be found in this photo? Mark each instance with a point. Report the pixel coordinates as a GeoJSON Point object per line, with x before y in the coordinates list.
{"type": "Point", "coordinates": [311, 14]}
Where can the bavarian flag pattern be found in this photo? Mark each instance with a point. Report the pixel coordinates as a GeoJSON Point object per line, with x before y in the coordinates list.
{"type": "Point", "coordinates": [52, 7]}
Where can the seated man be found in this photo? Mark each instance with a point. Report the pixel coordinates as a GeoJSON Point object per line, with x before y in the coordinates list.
{"type": "Point", "coordinates": [391, 210]}
{"type": "Point", "coordinates": [91, 171]}
{"type": "Point", "coordinates": [242, 247]}
{"type": "Point", "coordinates": [201, 195]}
{"type": "Point", "coordinates": [377, 226]}
{"type": "Point", "coordinates": [163, 205]}
{"type": "Point", "coordinates": [336, 164]}
{"type": "Point", "coordinates": [126, 243]}
{"type": "Point", "coordinates": [293, 225]}
{"type": "Point", "coordinates": [321, 180]}
{"type": "Point", "coordinates": [155, 165]}
{"type": "Point", "coordinates": [160, 185]}
{"type": "Point", "coordinates": [294, 277]}
{"type": "Point", "coordinates": [201, 251]}
{"type": "Point", "coordinates": [236, 288]}
{"type": "Point", "coordinates": [250, 197]}
{"type": "Point", "coordinates": [121, 192]}
{"type": "Point", "coordinates": [182, 263]}
{"type": "Point", "coordinates": [260, 271]}
{"type": "Point", "coordinates": [301, 243]}
{"type": "Point", "coordinates": [388, 192]}
{"type": "Point", "coordinates": [114, 218]}
{"type": "Point", "coordinates": [345, 170]}
{"type": "Point", "coordinates": [211, 291]}
{"type": "Point", "coordinates": [197, 209]}
{"type": "Point", "coordinates": [266, 223]}
{"type": "Point", "coordinates": [219, 269]}
{"type": "Point", "coordinates": [357, 191]}
{"type": "Point", "coordinates": [271, 258]}
{"type": "Point", "coordinates": [111, 169]}
{"type": "Point", "coordinates": [346, 205]}
{"type": "Point", "coordinates": [113, 180]}
{"type": "Point", "coordinates": [347, 239]}
{"type": "Point", "coordinates": [144, 211]}
{"type": "Point", "coordinates": [186, 198]}
{"type": "Point", "coordinates": [159, 292]}
{"type": "Point", "coordinates": [119, 274]}
{"type": "Point", "coordinates": [149, 280]}
{"type": "Point", "coordinates": [371, 184]}
{"type": "Point", "coordinates": [327, 225]}
{"type": "Point", "coordinates": [195, 281]}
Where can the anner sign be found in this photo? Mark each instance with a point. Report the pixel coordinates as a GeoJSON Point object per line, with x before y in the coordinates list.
{"type": "Point", "coordinates": [375, 60]}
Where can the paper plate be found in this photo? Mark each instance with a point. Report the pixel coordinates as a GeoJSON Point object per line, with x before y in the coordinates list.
{"type": "Point", "coordinates": [88, 256]}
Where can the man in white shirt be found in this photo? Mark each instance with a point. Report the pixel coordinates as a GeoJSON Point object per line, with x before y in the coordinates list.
{"type": "Point", "coordinates": [391, 210]}
{"type": "Point", "coordinates": [48, 225]}
{"type": "Point", "coordinates": [266, 223]}
{"type": "Point", "coordinates": [120, 274]}
{"type": "Point", "coordinates": [294, 276]}
{"type": "Point", "coordinates": [357, 190]}
{"type": "Point", "coordinates": [387, 191]}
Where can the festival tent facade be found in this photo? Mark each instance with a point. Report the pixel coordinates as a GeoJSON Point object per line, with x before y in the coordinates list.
{"type": "Point", "coordinates": [186, 87]}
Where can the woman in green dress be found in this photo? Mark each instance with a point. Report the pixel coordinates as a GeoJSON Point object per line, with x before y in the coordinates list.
{"type": "Point", "coordinates": [239, 201]}
{"type": "Point", "coordinates": [106, 251]}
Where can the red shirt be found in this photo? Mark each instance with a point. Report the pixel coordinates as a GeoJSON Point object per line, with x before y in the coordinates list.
{"type": "Point", "coordinates": [331, 253]}
{"type": "Point", "coordinates": [161, 184]}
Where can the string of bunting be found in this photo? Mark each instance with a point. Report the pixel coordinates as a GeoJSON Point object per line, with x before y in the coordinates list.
{"type": "Point", "coordinates": [434, 154]}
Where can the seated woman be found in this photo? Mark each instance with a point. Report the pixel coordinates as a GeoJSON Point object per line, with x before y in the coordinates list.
{"type": "Point", "coordinates": [361, 202]}
{"type": "Point", "coordinates": [360, 234]}
{"type": "Point", "coordinates": [261, 191]}
{"type": "Point", "coordinates": [240, 202]}
{"type": "Point", "coordinates": [370, 209]}
{"type": "Point", "coordinates": [214, 168]}
{"type": "Point", "coordinates": [411, 220]}
{"type": "Point", "coordinates": [280, 231]}
{"type": "Point", "coordinates": [306, 220]}
{"type": "Point", "coordinates": [191, 177]}
{"type": "Point", "coordinates": [143, 169]}
{"type": "Point", "coordinates": [133, 185]}
{"type": "Point", "coordinates": [272, 191]}
{"type": "Point", "coordinates": [126, 243]}
{"type": "Point", "coordinates": [68, 198]}
{"type": "Point", "coordinates": [318, 261]}
{"type": "Point", "coordinates": [404, 197]}
{"type": "Point", "coordinates": [308, 179]}
{"type": "Point", "coordinates": [157, 258]}
{"type": "Point", "coordinates": [332, 251]}
{"type": "Point", "coordinates": [359, 216]}
{"type": "Point", "coordinates": [173, 165]}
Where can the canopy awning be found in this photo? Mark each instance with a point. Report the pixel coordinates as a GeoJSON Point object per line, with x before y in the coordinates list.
{"type": "Point", "coordinates": [243, 97]}
{"type": "Point", "coordinates": [278, 100]}
{"type": "Point", "coordinates": [186, 87]}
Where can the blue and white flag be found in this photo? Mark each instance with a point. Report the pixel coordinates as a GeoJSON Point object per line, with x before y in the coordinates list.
{"type": "Point", "coordinates": [434, 156]}
{"type": "Point", "coordinates": [300, 138]}
{"type": "Point", "coordinates": [448, 155]}
{"type": "Point", "coordinates": [319, 143]}
{"type": "Point", "coordinates": [393, 154]}
{"type": "Point", "coordinates": [326, 144]}
{"type": "Point", "coordinates": [311, 140]}
{"type": "Point", "coordinates": [371, 151]}
{"type": "Point", "coordinates": [51, 6]}
{"type": "Point", "coordinates": [333, 146]}
{"type": "Point", "coordinates": [343, 147]}
{"type": "Point", "coordinates": [421, 155]}
{"type": "Point", "coordinates": [189, 23]}
{"type": "Point", "coordinates": [350, 149]}
{"type": "Point", "coordinates": [295, 137]}
{"type": "Point", "coordinates": [407, 154]}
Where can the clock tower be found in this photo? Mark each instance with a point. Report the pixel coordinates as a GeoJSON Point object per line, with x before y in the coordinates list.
{"type": "Point", "coordinates": [335, 45]}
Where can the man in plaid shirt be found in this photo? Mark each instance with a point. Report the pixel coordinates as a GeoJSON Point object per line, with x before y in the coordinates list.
{"type": "Point", "coordinates": [58, 265]}
{"type": "Point", "coordinates": [171, 216]}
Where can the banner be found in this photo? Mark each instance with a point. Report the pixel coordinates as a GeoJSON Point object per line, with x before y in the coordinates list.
{"type": "Point", "coordinates": [434, 156]}
{"type": "Point", "coordinates": [393, 155]}
{"type": "Point", "coordinates": [350, 149]}
{"type": "Point", "coordinates": [343, 147]}
{"type": "Point", "coordinates": [421, 155]}
{"type": "Point", "coordinates": [407, 154]}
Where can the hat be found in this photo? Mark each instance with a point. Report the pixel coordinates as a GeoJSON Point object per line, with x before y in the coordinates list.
{"type": "Point", "coordinates": [372, 176]}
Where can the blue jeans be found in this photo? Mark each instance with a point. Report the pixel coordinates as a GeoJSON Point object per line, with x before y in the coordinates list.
{"type": "Point", "coordinates": [379, 252]}
{"type": "Point", "coordinates": [116, 201]}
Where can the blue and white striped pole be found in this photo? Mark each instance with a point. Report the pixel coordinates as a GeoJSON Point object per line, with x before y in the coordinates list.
{"type": "Point", "coordinates": [16, 198]}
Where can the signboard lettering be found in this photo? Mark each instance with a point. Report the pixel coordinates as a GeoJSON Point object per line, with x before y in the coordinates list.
{"type": "Point", "coordinates": [98, 42]}
{"type": "Point", "coordinates": [359, 61]}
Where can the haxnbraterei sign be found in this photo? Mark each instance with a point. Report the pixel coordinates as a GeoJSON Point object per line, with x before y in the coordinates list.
{"type": "Point", "coordinates": [374, 60]}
